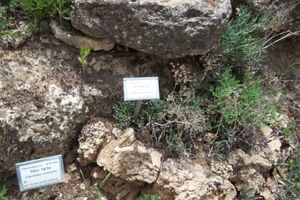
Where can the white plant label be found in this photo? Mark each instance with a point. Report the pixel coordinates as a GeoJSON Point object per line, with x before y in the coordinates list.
{"type": "Point", "coordinates": [142, 88]}
{"type": "Point", "coordinates": [40, 173]}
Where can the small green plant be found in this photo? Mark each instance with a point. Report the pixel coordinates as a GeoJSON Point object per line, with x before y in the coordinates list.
{"type": "Point", "coordinates": [239, 44]}
{"type": "Point", "coordinates": [3, 192]}
{"type": "Point", "coordinates": [40, 9]}
{"type": "Point", "coordinates": [84, 53]}
{"type": "Point", "coordinates": [123, 113]}
{"type": "Point", "coordinates": [149, 197]}
{"type": "Point", "coordinates": [293, 179]}
{"type": "Point", "coordinates": [247, 193]}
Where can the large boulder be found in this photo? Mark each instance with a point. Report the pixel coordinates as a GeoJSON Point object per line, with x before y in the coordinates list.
{"type": "Point", "coordinates": [172, 28]}
{"type": "Point", "coordinates": [41, 108]}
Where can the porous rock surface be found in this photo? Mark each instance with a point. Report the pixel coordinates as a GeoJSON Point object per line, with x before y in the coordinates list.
{"type": "Point", "coordinates": [168, 28]}
{"type": "Point", "coordinates": [93, 137]}
{"type": "Point", "coordinates": [185, 180]}
{"type": "Point", "coordinates": [116, 187]}
{"type": "Point", "coordinates": [38, 116]}
{"type": "Point", "coordinates": [128, 159]}
{"type": "Point", "coordinates": [249, 168]}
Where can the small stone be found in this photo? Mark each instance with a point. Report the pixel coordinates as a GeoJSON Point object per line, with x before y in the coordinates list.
{"type": "Point", "coordinates": [208, 137]}
{"type": "Point", "coordinates": [82, 186]}
{"type": "Point", "coordinates": [96, 172]}
{"type": "Point", "coordinates": [67, 178]}
{"type": "Point", "coordinates": [72, 167]}
{"type": "Point", "coordinates": [267, 131]}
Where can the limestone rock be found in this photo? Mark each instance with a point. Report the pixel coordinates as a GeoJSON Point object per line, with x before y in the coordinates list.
{"type": "Point", "coordinates": [38, 115]}
{"type": "Point", "coordinates": [182, 180]}
{"type": "Point", "coordinates": [93, 137]}
{"type": "Point", "coordinates": [259, 161]}
{"type": "Point", "coordinates": [129, 159]}
{"type": "Point", "coordinates": [172, 28]}
{"type": "Point", "coordinates": [81, 41]}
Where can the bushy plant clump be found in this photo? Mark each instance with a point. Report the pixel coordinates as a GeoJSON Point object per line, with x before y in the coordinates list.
{"type": "Point", "coordinates": [230, 108]}
{"type": "Point", "coordinates": [236, 104]}
{"type": "Point", "coordinates": [175, 121]}
{"type": "Point", "coordinates": [240, 42]}
{"type": "Point", "coordinates": [39, 9]}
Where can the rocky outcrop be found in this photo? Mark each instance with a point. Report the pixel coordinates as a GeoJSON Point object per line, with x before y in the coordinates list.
{"type": "Point", "coordinates": [184, 180]}
{"type": "Point", "coordinates": [249, 168]}
{"type": "Point", "coordinates": [79, 40]}
{"type": "Point", "coordinates": [38, 116]}
{"type": "Point", "coordinates": [93, 137]}
{"type": "Point", "coordinates": [128, 159]}
{"type": "Point", "coordinates": [165, 28]}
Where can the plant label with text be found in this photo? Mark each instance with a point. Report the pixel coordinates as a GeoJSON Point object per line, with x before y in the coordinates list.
{"type": "Point", "coordinates": [40, 172]}
{"type": "Point", "coordinates": [141, 88]}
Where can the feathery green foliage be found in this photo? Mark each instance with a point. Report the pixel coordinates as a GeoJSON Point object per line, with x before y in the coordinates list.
{"type": "Point", "coordinates": [237, 105]}
{"type": "Point", "coordinates": [3, 193]}
{"type": "Point", "coordinates": [149, 197]}
{"type": "Point", "coordinates": [239, 44]}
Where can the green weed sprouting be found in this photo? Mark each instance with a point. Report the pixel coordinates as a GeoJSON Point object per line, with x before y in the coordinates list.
{"type": "Point", "coordinates": [84, 53]}
{"type": "Point", "coordinates": [149, 197]}
{"type": "Point", "coordinates": [239, 43]}
{"type": "Point", "coordinates": [293, 179]}
{"type": "Point", "coordinates": [3, 192]}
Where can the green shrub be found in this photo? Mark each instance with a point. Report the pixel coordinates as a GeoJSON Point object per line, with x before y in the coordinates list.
{"type": "Point", "coordinates": [149, 197]}
{"type": "Point", "coordinates": [239, 44]}
{"type": "Point", "coordinates": [4, 19]}
{"type": "Point", "coordinates": [237, 105]}
{"type": "Point", "coordinates": [3, 193]}
{"type": "Point", "coordinates": [294, 174]}
{"type": "Point", "coordinates": [39, 9]}
{"type": "Point", "coordinates": [123, 113]}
